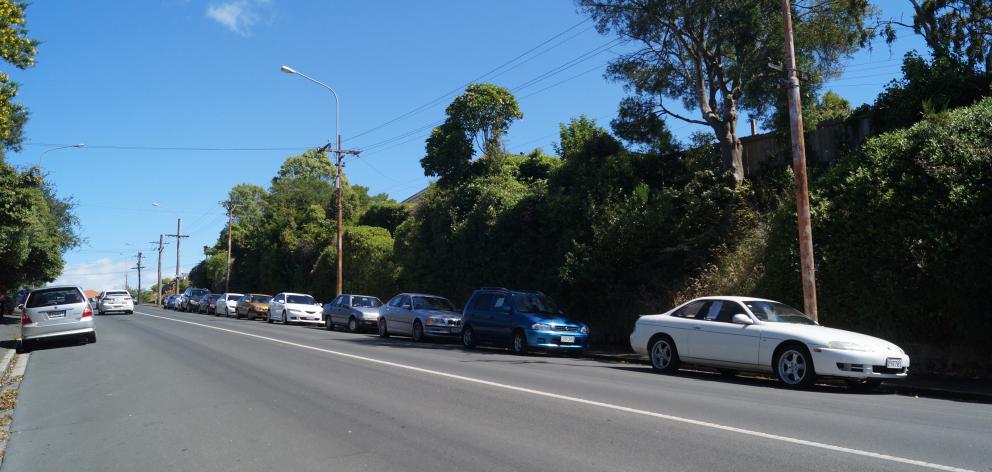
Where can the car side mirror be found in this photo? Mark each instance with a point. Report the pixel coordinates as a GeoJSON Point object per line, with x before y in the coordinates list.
{"type": "Point", "coordinates": [20, 307]}
{"type": "Point", "coordinates": [743, 319]}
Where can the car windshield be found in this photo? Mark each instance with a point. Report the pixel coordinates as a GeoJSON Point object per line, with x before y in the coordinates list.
{"type": "Point", "coordinates": [54, 296]}
{"type": "Point", "coordinates": [535, 303]}
{"type": "Point", "coordinates": [776, 312]}
{"type": "Point", "coordinates": [234, 296]}
{"type": "Point", "coordinates": [199, 292]}
{"type": "Point", "coordinates": [261, 298]}
{"type": "Point", "coordinates": [365, 302]}
{"type": "Point", "coordinates": [300, 299]}
{"type": "Point", "coordinates": [432, 303]}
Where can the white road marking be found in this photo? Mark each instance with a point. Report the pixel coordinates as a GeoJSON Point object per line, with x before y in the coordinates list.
{"type": "Point", "coordinates": [541, 393]}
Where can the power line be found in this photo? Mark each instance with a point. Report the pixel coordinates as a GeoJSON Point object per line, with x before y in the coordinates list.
{"type": "Point", "coordinates": [176, 148]}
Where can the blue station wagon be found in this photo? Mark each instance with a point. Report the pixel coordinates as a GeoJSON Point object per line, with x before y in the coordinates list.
{"type": "Point", "coordinates": [520, 319]}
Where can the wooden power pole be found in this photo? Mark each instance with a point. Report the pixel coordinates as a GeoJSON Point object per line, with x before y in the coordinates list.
{"type": "Point", "coordinates": [179, 237]}
{"type": "Point", "coordinates": [227, 277]}
{"type": "Point", "coordinates": [799, 168]}
{"type": "Point", "coordinates": [139, 267]}
{"type": "Point", "coordinates": [161, 247]}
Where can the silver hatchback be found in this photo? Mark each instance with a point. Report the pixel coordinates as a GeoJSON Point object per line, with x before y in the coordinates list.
{"type": "Point", "coordinates": [56, 311]}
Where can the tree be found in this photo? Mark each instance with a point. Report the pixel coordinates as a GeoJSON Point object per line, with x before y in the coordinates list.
{"type": "Point", "coordinates": [477, 121]}
{"type": "Point", "coordinates": [714, 55]}
{"type": "Point", "coordinates": [18, 50]}
{"type": "Point", "coordinates": [387, 215]}
{"type": "Point", "coordinates": [960, 30]}
{"type": "Point", "coordinates": [368, 264]}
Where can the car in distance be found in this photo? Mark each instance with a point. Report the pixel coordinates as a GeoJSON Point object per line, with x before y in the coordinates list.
{"type": "Point", "coordinates": [170, 302]}
{"type": "Point", "coordinates": [54, 312]}
{"type": "Point", "coordinates": [290, 307]}
{"type": "Point", "coordinates": [522, 320]}
{"type": "Point", "coordinates": [753, 334]}
{"type": "Point", "coordinates": [208, 303]}
{"type": "Point", "coordinates": [419, 316]}
{"type": "Point", "coordinates": [191, 299]}
{"type": "Point", "coordinates": [227, 303]}
{"type": "Point", "coordinates": [253, 306]}
{"type": "Point", "coordinates": [114, 300]}
{"type": "Point", "coordinates": [357, 312]}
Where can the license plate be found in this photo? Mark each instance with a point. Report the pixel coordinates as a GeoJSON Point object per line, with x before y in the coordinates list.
{"type": "Point", "coordinates": [568, 339]}
{"type": "Point", "coordinates": [56, 314]}
{"type": "Point", "coordinates": [893, 363]}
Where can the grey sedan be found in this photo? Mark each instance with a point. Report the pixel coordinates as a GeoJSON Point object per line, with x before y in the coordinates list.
{"type": "Point", "coordinates": [418, 316]}
{"type": "Point", "coordinates": [54, 312]}
{"type": "Point", "coordinates": [354, 311]}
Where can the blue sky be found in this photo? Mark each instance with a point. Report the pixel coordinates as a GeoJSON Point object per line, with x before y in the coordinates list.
{"type": "Point", "coordinates": [126, 77]}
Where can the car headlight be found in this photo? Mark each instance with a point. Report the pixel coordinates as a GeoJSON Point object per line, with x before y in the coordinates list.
{"type": "Point", "coordinates": [584, 330]}
{"type": "Point", "coordinates": [431, 320]}
{"type": "Point", "coordinates": [849, 346]}
{"type": "Point", "coordinates": [541, 327]}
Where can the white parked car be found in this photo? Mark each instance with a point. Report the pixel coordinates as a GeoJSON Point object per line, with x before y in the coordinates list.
{"type": "Point", "coordinates": [227, 303]}
{"type": "Point", "coordinates": [115, 300]}
{"type": "Point", "coordinates": [751, 334]}
{"type": "Point", "coordinates": [294, 308]}
{"type": "Point", "coordinates": [53, 312]}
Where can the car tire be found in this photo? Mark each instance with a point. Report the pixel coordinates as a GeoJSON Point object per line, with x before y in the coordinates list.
{"type": "Point", "coordinates": [268, 318]}
{"type": "Point", "coordinates": [863, 385]}
{"type": "Point", "coordinates": [130, 312]}
{"type": "Point", "coordinates": [91, 337]}
{"type": "Point", "coordinates": [519, 344]}
{"type": "Point", "coordinates": [468, 338]}
{"type": "Point", "coordinates": [418, 331]}
{"type": "Point", "coordinates": [383, 329]}
{"type": "Point", "coordinates": [664, 354]}
{"type": "Point", "coordinates": [285, 318]}
{"type": "Point", "coordinates": [793, 365]}
{"type": "Point", "coordinates": [328, 323]}
{"type": "Point", "coordinates": [352, 325]}
{"type": "Point", "coordinates": [24, 346]}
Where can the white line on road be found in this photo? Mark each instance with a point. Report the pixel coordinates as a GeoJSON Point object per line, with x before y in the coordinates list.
{"type": "Point", "coordinates": [679, 419]}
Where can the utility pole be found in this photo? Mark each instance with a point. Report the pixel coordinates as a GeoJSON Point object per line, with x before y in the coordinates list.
{"type": "Point", "coordinates": [161, 247]}
{"type": "Point", "coordinates": [227, 278]}
{"type": "Point", "coordinates": [179, 237]}
{"type": "Point", "coordinates": [139, 267]}
{"type": "Point", "coordinates": [799, 168]}
{"type": "Point", "coordinates": [340, 153]}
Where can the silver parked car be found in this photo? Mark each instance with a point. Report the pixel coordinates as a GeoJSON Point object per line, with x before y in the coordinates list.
{"type": "Point", "coordinates": [56, 311]}
{"type": "Point", "coordinates": [418, 316]}
{"type": "Point", "coordinates": [115, 300]}
{"type": "Point", "coordinates": [227, 303]}
{"type": "Point", "coordinates": [354, 311]}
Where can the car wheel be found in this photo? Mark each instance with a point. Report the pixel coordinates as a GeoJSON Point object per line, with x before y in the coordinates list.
{"type": "Point", "coordinates": [268, 318]}
{"type": "Point", "coordinates": [328, 323]}
{"type": "Point", "coordinates": [794, 366]}
{"type": "Point", "coordinates": [664, 355]}
{"type": "Point", "coordinates": [285, 318]}
{"type": "Point", "coordinates": [130, 312]}
{"type": "Point", "coordinates": [467, 337]}
{"type": "Point", "coordinates": [383, 330]}
{"type": "Point", "coordinates": [24, 346]}
{"type": "Point", "coordinates": [352, 325]}
{"type": "Point", "coordinates": [418, 331]}
{"type": "Point", "coordinates": [519, 344]}
{"type": "Point", "coordinates": [91, 337]}
{"type": "Point", "coordinates": [863, 385]}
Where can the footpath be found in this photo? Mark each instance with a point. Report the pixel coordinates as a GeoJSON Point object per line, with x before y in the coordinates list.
{"type": "Point", "coordinates": [12, 368]}
{"type": "Point", "coordinates": [952, 389]}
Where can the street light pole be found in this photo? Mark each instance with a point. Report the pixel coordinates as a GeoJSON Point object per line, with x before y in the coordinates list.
{"type": "Point", "coordinates": [80, 145]}
{"type": "Point", "coordinates": [340, 156]}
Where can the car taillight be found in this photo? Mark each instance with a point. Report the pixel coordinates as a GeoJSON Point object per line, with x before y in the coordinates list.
{"type": "Point", "coordinates": [87, 311]}
{"type": "Point", "coordinates": [25, 319]}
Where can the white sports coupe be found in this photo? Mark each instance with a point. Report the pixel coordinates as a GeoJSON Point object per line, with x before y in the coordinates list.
{"type": "Point", "coordinates": [751, 334]}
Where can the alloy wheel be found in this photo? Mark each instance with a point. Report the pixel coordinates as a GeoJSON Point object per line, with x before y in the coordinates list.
{"type": "Point", "coordinates": [792, 367]}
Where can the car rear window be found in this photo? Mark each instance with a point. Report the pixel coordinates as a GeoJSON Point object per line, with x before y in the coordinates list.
{"type": "Point", "coordinates": [54, 296]}
{"type": "Point", "coordinates": [117, 293]}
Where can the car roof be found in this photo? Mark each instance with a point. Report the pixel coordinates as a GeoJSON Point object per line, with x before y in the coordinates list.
{"type": "Point", "coordinates": [414, 294]}
{"type": "Point", "coordinates": [502, 289]}
{"type": "Point", "coordinates": [294, 293]}
{"type": "Point", "coordinates": [359, 295]}
{"type": "Point", "coordinates": [736, 298]}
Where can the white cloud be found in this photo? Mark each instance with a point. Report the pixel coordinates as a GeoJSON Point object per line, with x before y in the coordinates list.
{"type": "Point", "coordinates": [102, 274]}
{"type": "Point", "coordinates": [238, 16]}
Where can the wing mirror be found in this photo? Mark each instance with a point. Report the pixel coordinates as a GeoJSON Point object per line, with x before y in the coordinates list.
{"type": "Point", "coordinates": [743, 319]}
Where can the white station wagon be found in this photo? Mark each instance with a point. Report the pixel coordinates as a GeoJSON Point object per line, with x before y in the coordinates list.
{"type": "Point", "coordinates": [751, 334]}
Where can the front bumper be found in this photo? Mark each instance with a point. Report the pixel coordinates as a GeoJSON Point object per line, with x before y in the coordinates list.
{"type": "Point", "coordinates": [858, 364]}
{"type": "Point", "coordinates": [311, 318]}
{"type": "Point", "coordinates": [443, 331]}
{"type": "Point", "coordinates": [552, 340]}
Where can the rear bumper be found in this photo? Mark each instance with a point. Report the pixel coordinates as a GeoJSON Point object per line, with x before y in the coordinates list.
{"type": "Point", "coordinates": [34, 331]}
{"type": "Point", "coordinates": [108, 307]}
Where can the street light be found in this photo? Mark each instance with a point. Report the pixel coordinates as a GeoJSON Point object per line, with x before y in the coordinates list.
{"type": "Point", "coordinates": [80, 145]}
{"type": "Point", "coordinates": [337, 133]}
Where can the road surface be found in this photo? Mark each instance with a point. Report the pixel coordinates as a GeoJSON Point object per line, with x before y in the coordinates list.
{"type": "Point", "coordinates": [182, 392]}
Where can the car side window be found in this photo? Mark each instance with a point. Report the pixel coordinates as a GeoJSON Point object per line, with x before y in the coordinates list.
{"type": "Point", "coordinates": [345, 300]}
{"type": "Point", "coordinates": [501, 303]}
{"type": "Point", "coordinates": [336, 301]}
{"type": "Point", "coordinates": [692, 310]}
{"type": "Point", "coordinates": [395, 301]}
{"type": "Point", "coordinates": [482, 301]}
{"type": "Point", "coordinates": [405, 303]}
{"type": "Point", "coordinates": [728, 310]}
{"type": "Point", "coordinates": [712, 310]}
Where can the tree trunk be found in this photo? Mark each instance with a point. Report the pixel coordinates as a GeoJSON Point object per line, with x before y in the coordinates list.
{"type": "Point", "coordinates": [732, 151]}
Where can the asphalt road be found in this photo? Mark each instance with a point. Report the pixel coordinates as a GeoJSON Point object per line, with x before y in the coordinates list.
{"type": "Point", "coordinates": [156, 394]}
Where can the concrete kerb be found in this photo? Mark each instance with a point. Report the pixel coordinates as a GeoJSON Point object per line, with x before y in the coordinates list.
{"type": "Point", "coordinates": [12, 368]}
{"type": "Point", "coordinates": [907, 387]}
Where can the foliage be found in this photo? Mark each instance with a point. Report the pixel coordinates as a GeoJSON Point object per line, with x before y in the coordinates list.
{"type": "Point", "coordinates": [368, 266]}
{"type": "Point", "coordinates": [714, 56]}
{"type": "Point", "coordinates": [387, 215]}
{"type": "Point", "coordinates": [477, 118]}
{"type": "Point", "coordinates": [18, 50]}
{"type": "Point", "coordinates": [35, 228]}
{"type": "Point", "coordinates": [958, 30]}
